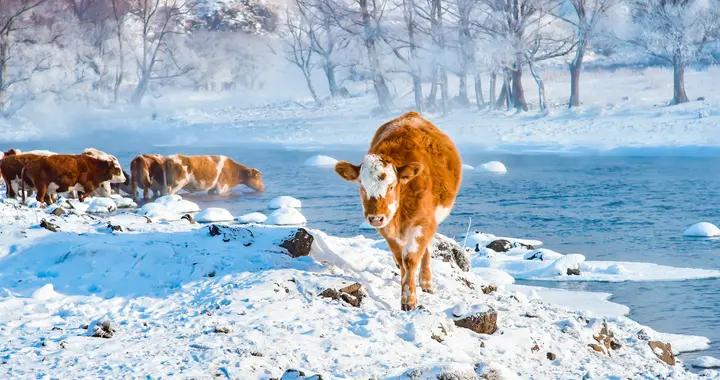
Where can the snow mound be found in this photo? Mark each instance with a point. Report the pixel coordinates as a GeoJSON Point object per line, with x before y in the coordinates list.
{"type": "Point", "coordinates": [493, 167]}
{"type": "Point", "coordinates": [214, 214]}
{"type": "Point", "coordinates": [123, 202]}
{"type": "Point", "coordinates": [705, 362]}
{"type": "Point", "coordinates": [702, 229]}
{"type": "Point", "coordinates": [253, 217]}
{"type": "Point", "coordinates": [98, 205]}
{"type": "Point", "coordinates": [284, 201]}
{"type": "Point", "coordinates": [45, 293]}
{"type": "Point", "coordinates": [286, 216]}
{"type": "Point", "coordinates": [321, 161]}
{"type": "Point", "coordinates": [168, 207]}
{"type": "Point", "coordinates": [467, 167]}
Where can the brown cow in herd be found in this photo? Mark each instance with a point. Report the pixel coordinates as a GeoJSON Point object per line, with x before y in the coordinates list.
{"type": "Point", "coordinates": [408, 183]}
{"type": "Point", "coordinates": [214, 174]}
{"type": "Point", "coordinates": [148, 173]}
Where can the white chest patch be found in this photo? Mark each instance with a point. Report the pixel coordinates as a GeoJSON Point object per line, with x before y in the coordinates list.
{"type": "Point", "coordinates": [412, 246]}
{"type": "Point", "coordinates": [376, 176]}
{"type": "Point", "coordinates": [441, 213]}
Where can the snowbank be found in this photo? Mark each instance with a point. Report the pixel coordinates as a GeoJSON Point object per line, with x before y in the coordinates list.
{"type": "Point", "coordinates": [493, 167]}
{"type": "Point", "coordinates": [253, 217]}
{"type": "Point", "coordinates": [284, 201]}
{"type": "Point", "coordinates": [467, 167]}
{"type": "Point", "coordinates": [101, 205]}
{"type": "Point", "coordinates": [320, 160]}
{"type": "Point", "coordinates": [214, 214]}
{"type": "Point", "coordinates": [181, 301]}
{"type": "Point", "coordinates": [286, 217]}
{"type": "Point", "coordinates": [523, 260]}
{"type": "Point", "coordinates": [705, 362]}
{"type": "Point", "coordinates": [702, 229]}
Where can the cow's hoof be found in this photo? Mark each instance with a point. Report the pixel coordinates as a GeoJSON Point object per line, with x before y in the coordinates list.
{"type": "Point", "coordinates": [428, 289]}
{"type": "Point", "coordinates": [407, 307]}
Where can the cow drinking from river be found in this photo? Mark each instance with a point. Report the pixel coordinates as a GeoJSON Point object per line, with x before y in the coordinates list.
{"type": "Point", "coordinates": [408, 183]}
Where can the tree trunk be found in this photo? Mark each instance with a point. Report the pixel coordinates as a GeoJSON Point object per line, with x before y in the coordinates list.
{"type": "Point", "coordinates": [491, 94]}
{"type": "Point", "coordinates": [432, 96]}
{"type": "Point", "coordinates": [679, 95]}
{"type": "Point", "coordinates": [329, 70]}
{"type": "Point", "coordinates": [462, 91]}
{"type": "Point", "coordinates": [575, 68]}
{"type": "Point", "coordinates": [140, 89]}
{"type": "Point", "coordinates": [479, 100]}
{"type": "Point", "coordinates": [518, 94]}
{"type": "Point", "coordinates": [311, 88]}
{"type": "Point", "coordinates": [381, 88]}
{"type": "Point", "coordinates": [3, 75]}
{"type": "Point", "coordinates": [444, 91]}
{"type": "Point", "coordinates": [540, 86]}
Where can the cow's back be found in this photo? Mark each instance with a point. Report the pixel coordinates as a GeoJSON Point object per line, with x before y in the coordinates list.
{"type": "Point", "coordinates": [202, 170]}
{"type": "Point", "coordinates": [411, 138]}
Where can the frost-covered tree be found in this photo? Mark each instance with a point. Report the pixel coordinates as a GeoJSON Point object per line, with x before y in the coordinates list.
{"type": "Point", "coordinates": [676, 32]}
{"type": "Point", "coordinates": [326, 39]}
{"type": "Point", "coordinates": [298, 48]}
{"type": "Point", "coordinates": [158, 20]}
{"type": "Point", "coordinates": [584, 17]}
{"type": "Point", "coordinates": [17, 63]}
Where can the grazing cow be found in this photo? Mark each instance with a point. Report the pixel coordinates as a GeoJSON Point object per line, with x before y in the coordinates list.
{"type": "Point", "coordinates": [125, 187]}
{"type": "Point", "coordinates": [64, 172]}
{"type": "Point", "coordinates": [147, 172]}
{"type": "Point", "coordinates": [214, 174]}
{"type": "Point", "coordinates": [408, 183]}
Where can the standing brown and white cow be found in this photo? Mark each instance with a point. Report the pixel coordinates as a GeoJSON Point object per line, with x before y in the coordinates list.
{"type": "Point", "coordinates": [148, 173]}
{"type": "Point", "coordinates": [408, 183]}
{"type": "Point", "coordinates": [214, 174]}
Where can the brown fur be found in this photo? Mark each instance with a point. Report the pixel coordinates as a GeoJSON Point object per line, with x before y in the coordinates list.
{"type": "Point", "coordinates": [11, 168]}
{"type": "Point", "coordinates": [147, 172]}
{"type": "Point", "coordinates": [67, 171]}
{"type": "Point", "coordinates": [214, 174]}
{"type": "Point", "coordinates": [428, 169]}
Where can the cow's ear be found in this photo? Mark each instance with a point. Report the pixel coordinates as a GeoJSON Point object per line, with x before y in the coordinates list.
{"type": "Point", "coordinates": [409, 171]}
{"type": "Point", "coordinates": [347, 171]}
{"type": "Point", "coordinates": [255, 173]}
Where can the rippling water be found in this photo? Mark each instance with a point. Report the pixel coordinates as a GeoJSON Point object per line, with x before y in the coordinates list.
{"type": "Point", "coordinates": [629, 208]}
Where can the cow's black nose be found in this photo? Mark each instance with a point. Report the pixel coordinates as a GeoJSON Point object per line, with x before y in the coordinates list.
{"type": "Point", "coordinates": [376, 220]}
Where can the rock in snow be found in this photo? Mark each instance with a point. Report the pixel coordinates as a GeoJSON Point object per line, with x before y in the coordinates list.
{"type": "Point", "coordinates": [702, 229]}
{"type": "Point", "coordinates": [284, 201]}
{"type": "Point", "coordinates": [214, 214]}
{"type": "Point", "coordinates": [493, 167]}
{"type": "Point", "coordinates": [299, 243]}
{"type": "Point", "coordinates": [286, 217]}
{"type": "Point", "coordinates": [320, 160]}
{"type": "Point", "coordinates": [253, 217]}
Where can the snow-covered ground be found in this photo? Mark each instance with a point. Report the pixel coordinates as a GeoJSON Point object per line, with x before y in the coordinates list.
{"type": "Point", "coordinates": [624, 108]}
{"type": "Point", "coordinates": [183, 303]}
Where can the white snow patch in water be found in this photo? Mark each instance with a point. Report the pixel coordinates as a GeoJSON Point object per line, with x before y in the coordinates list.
{"type": "Point", "coordinates": [702, 229]}
{"type": "Point", "coordinates": [321, 161]}
{"type": "Point", "coordinates": [214, 214]}
{"type": "Point", "coordinates": [705, 362]}
{"type": "Point", "coordinates": [253, 217]}
{"type": "Point", "coordinates": [493, 167]}
{"type": "Point", "coordinates": [284, 201]}
{"type": "Point", "coordinates": [286, 216]}
{"type": "Point", "coordinates": [467, 167]}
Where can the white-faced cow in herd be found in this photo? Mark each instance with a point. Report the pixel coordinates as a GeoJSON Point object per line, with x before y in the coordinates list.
{"type": "Point", "coordinates": [214, 174]}
{"type": "Point", "coordinates": [408, 183]}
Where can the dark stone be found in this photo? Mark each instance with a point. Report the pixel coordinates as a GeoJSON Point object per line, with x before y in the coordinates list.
{"type": "Point", "coordinates": [448, 250]}
{"type": "Point", "coordinates": [487, 289]}
{"type": "Point", "coordinates": [221, 330]}
{"type": "Point", "coordinates": [481, 323]}
{"type": "Point", "coordinates": [535, 348]}
{"type": "Point", "coordinates": [663, 351]}
{"type": "Point", "coordinates": [49, 226]}
{"type": "Point", "coordinates": [573, 271]}
{"type": "Point", "coordinates": [232, 233]}
{"type": "Point", "coordinates": [700, 98]}
{"type": "Point", "coordinates": [294, 374]}
{"type": "Point", "coordinates": [103, 330]}
{"type": "Point", "coordinates": [114, 228]}
{"type": "Point", "coordinates": [500, 245]}
{"type": "Point", "coordinates": [189, 218]}
{"type": "Point", "coordinates": [299, 244]}
{"type": "Point", "coordinates": [550, 356]}
{"type": "Point", "coordinates": [351, 294]}
{"type": "Point", "coordinates": [59, 211]}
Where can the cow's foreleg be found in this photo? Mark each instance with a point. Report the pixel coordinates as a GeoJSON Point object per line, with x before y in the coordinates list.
{"type": "Point", "coordinates": [426, 273]}
{"type": "Point", "coordinates": [418, 239]}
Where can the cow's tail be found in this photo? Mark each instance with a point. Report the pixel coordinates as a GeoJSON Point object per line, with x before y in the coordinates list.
{"type": "Point", "coordinates": [165, 182]}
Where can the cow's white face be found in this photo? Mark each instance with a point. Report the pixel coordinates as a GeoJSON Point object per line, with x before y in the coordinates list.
{"type": "Point", "coordinates": [380, 185]}
{"type": "Point", "coordinates": [118, 176]}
